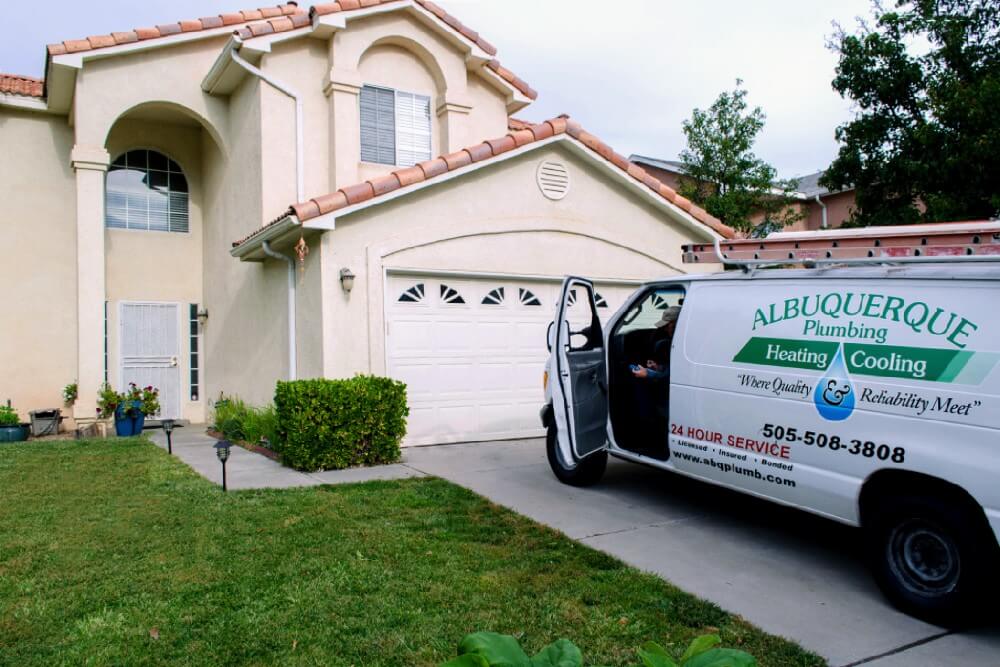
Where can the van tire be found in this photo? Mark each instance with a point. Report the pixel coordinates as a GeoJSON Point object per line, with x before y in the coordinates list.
{"type": "Point", "coordinates": [586, 472]}
{"type": "Point", "coordinates": [931, 557]}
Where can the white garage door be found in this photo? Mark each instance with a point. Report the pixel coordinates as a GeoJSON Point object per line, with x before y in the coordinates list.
{"type": "Point", "coordinates": [472, 353]}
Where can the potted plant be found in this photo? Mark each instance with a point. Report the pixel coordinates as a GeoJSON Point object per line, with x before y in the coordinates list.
{"type": "Point", "coordinates": [130, 408]}
{"type": "Point", "coordinates": [108, 402]}
{"type": "Point", "coordinates": [70, 393]}
{"type": "Point", "coordinates": [11, 428]}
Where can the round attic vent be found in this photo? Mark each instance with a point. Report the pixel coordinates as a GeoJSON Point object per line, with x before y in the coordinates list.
{"type": "Point", "coordinates": [553, 179]}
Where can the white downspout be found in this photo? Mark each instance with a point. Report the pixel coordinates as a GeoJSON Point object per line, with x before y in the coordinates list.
{"type": "Point", "coordinates": [292, 359]}
{"type": "Point", "coordinates": [819, 201]}
{"type": "Point", "coordinates": [281, 87]}
{"type": "Point", "coordinates": [299, 196]}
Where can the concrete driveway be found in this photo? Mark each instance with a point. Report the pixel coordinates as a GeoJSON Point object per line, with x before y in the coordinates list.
{"type": "Point", "coordinates": [788, 572]}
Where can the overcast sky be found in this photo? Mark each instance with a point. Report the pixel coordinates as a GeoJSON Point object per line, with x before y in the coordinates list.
{"type": "Point", "coordinates": [629, 70]}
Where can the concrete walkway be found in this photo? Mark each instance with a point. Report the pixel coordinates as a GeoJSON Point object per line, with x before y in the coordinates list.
{"type": "Point", "coordinates": [247, 470]}
{"type": "Point", "coordinates": [788, 572]}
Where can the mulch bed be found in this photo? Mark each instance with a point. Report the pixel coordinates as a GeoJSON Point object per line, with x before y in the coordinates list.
{"type": "Point", "coordinates": [249, 446]}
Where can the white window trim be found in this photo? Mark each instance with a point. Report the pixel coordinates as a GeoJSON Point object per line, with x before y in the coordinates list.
{"type": "Point", "coordinates": [395, 124]}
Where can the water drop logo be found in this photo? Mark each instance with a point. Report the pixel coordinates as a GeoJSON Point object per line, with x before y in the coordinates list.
{"type": "Point", "coordinates": [834, 393]}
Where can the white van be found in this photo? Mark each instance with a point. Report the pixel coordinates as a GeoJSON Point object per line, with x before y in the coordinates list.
{"type": "Point", "coordinates": [869, 395]}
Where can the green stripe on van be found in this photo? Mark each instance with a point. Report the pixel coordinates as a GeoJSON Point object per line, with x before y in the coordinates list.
{"type": "Point", "coordinates": [927, 364]}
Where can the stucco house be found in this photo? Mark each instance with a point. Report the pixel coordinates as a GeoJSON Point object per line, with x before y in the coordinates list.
{"type": "Point", "coordinates": [214, 205]}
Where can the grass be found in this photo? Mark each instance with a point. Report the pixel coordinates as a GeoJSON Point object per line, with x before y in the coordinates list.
{"type": "Point", "coordinates": [111, 552]}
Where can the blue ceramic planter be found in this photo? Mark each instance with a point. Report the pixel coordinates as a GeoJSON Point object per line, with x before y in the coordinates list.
{"type": "Point", "coordinates": [129, 422]}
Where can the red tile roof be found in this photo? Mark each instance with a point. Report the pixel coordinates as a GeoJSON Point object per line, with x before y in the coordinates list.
{"type": "Point", "coordinates": [269, 20]}
{"type": "Point", "coordinates": [167, 29]}
{"type": "Point", "coordinates": [519, 136]}
{"type": "Point", "coordinates": [15, 84]}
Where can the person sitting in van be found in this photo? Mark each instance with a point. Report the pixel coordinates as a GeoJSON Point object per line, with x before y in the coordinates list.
{"type": "Point", "coordinates": [658, 367]}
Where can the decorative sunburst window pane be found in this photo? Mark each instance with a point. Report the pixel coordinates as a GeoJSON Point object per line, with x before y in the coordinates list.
{"type": "Point", "coordinates": [449, 295]}
{"type": "Point", "coordinates": [527, 297]}
{"type": "Point", "coordinates": [494, 298]}
{"type": "Point", "coordinates": [599, 300]}
{"type": "Point", "coordinates": [414, 294]}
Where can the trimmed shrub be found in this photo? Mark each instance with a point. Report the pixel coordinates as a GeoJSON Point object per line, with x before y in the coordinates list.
{"type": "Point", "coordinates": [334, 424]}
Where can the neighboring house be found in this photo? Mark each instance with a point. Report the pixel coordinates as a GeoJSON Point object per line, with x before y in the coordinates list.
{"type": "Point", "coordinates": [821, 208]}
{"type": "Point", "coordinates": [211, 206]}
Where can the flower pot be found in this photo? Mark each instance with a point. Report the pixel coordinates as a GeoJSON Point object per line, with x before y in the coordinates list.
{"type": "Point", "coordinates": [17, 433]}
{"type": "Point", "coordinates": [123, 424]}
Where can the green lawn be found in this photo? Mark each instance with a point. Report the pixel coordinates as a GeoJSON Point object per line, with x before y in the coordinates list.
{"type": "Point", "coordinates": [111, 552]}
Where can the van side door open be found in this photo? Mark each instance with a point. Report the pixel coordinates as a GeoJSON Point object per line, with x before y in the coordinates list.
{"type": "Point", "coordinates": [580, 389]}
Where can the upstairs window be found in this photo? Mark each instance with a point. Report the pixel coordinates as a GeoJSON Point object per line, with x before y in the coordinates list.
{"type": "Point", "coordinates": [146, 190]}
{"type": "Point", "coordinates": [395, 127]}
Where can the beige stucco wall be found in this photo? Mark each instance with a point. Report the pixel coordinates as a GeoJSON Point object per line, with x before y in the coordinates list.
{"type": "Point", "coordinates": [107, 88]}
{"type": "Point", "coordinates": [38, 271]}
{"type": "Point", "coordinates": [494, 220]}
{"type": "Point", "coordinates": [245, 341]}
{"type": "Point", "coordinates": [158, 266]}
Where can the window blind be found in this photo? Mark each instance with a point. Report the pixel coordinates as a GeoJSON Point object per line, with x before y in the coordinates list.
{"type": "Point", "coordinates": [395, 126]}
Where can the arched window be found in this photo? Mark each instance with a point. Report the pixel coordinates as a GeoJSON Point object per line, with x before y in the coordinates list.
{"type": "Point", "coordinates": [146, 190]}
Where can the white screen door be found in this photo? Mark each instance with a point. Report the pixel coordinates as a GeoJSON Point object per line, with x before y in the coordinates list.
{"type": "Point", "coordinates": [150, 351]}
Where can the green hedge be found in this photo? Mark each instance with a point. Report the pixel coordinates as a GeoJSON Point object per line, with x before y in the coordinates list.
{"type": "Point", "coordinates": [333, 424]}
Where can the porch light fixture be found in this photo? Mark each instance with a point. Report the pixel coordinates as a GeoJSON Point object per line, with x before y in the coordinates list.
{"type": "Point", "coordinates": [168, 427]}
{"type": "Point", "coordinates": [202, 316]}
{"type": "Point", "coordinates": [347, 279]}
{"type": "Point", "coordinates": [222, 451]}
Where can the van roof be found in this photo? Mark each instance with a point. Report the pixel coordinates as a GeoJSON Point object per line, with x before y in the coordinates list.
{"type": "Point", "coordinates": [944, 271]}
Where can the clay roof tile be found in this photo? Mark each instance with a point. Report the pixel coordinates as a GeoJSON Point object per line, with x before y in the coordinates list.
{"type": "Point", "coordinates": [358, 193]}
{"type": "Point", "coordinates": [457, 160]}
{"type": "Point", "coordinates": [169, 29]}
{"type": "Point", "coordinates": [409, 175]}
{"type": "Point", "coordinates": [480, 152]}
{"type": "Point", "coordinates": [325, 8]}
{"type": "Point", "coordinates": [258, 29]}
{"type": "Point", "coordinates": [125, 37]}
{"type": "Point", "coordinates": [303, 211]}
{"type": "Point", "coordinates": [522, 137]}
{"type": "Point", "coordinates": [251, 14]}
{"type": "Point", "coordinates": [210, 22]}
{"type": "Point", "coordinates": [77, 45]}
{"type": "Point", "coordinates": [385, 184]}
{"type": "Point", "coordinates": [25, 86]}
{"type": "Point", "coordinates": [191, 26]}
{"type": "Point", "coordinates": [502, 145]}
{"type": "Point", "coordinates": [329, 202]}
{"type": "Point", "coordinates": [432, 168]}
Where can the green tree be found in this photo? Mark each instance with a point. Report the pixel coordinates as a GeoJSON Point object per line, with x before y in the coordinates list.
{"type": "Point", "coordinates": [722, 174]}
{"type": "Point", "coordinates": [924, 144]}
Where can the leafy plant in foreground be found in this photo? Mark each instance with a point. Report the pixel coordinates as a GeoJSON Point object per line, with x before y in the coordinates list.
{"type": "Point", "coordinates": [489, 649]}
{"type": "Point", "coordinates": [8, 416]}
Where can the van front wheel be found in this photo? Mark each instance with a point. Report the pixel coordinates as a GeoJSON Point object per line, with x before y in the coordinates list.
{"type": "Point", "coordinates": [930, 558]}
{"type": "Point", "coordinates": [586, 472]}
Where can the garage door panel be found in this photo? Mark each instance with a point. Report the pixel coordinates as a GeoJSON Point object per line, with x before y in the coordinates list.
{"type": "Point", "coordinates": [473, 369]}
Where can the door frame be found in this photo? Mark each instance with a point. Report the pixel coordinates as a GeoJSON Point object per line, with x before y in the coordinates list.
{"type": "Point", "coordinates": [178, 309]}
